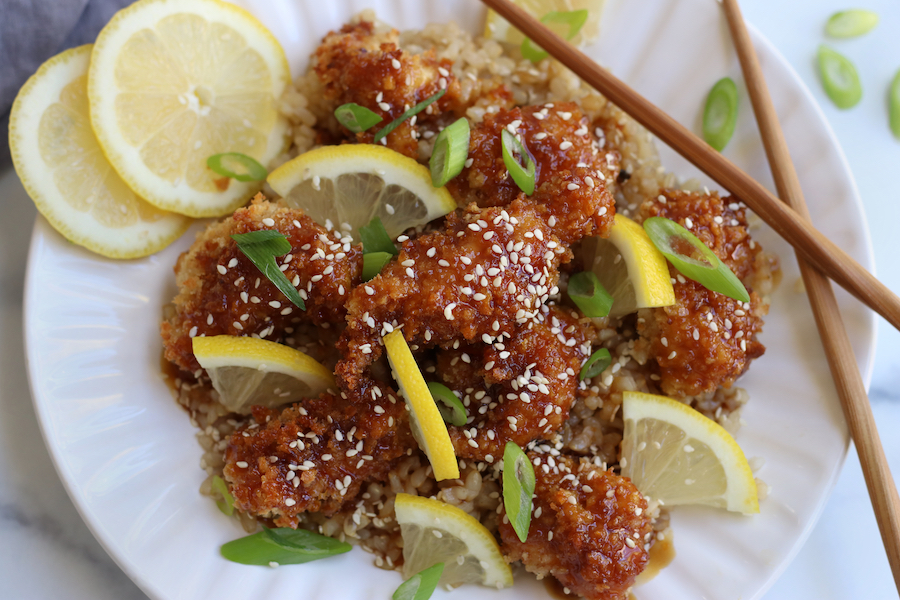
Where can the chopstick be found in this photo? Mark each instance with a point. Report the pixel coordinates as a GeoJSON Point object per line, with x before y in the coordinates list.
{"type": "Point", "coordinates": [815, 247]}
{"type": "Point", "coordinates": [847, 378]}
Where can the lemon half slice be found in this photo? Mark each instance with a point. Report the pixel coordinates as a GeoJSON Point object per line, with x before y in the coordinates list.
{"type": "Point", "coordinates": [434, 532]}
{"type": "Point", "coordinates": [675, 454]}
{"type": "Point", "coordinates": [64, 171]}
{"type": "Point", "coordinates": [345, 187]}
{"type": "Point", "coordinates": [250, 371]}
{"type": "Point", "coordinates": [173, 83]}
{"type": "Point", "coordinates": [630, 267]}
{"type": "Point", "coordinates": [498, 28]}
{"type": "Point", "coordinates": [425, 419]}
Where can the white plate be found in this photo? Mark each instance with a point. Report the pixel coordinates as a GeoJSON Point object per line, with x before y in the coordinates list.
{"type": "Point", "coordinates": [127, 453]}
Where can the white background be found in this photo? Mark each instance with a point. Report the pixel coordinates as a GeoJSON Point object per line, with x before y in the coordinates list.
{"type": "Point", "coordinates": [47, 552]}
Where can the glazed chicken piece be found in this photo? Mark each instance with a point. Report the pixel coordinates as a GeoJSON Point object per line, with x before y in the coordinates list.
{"type": "Point", "coordinates": [358, 65]}
{"type": "Point", "coordinates": [220, 292]}
{"type": "Point", "coordinates": [705, 340]}
{"type": "Point", "coordinates": [316, 455]}
{"type": "Point", "coordinates": [483, 277]}
{"type": "Point", "coordinates": [589, 528]}
{"type": "Point", "coordinates": [526, 393]}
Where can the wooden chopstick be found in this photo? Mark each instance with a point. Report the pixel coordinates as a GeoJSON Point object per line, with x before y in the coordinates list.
{"type": "Point", "coordinates": [815, 247]}
{"type": "Point", "coordinates": [847, 378]}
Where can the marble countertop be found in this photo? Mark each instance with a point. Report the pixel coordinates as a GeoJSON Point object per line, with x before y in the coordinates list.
{"type": "Point", "coordinates": [46, 551]}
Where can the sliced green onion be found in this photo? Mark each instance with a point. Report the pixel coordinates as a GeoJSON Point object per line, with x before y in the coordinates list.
{"type": "Point", "coordinates": [565, 24]}
{"type": "Point", "coordinates": [373, 263]}
{"type": "Point", "coordinates": [226, 504]}
{"type": "Point", "coordinates": [513, 152]}
{"type": "Point", "coordinates": [421, 585]}
{"type": "Point", "coordinates": [894, 105]}
{"type": "Point", "coordinates": [451, 149]}
{"type": "Point", "coordinates": [376, 239]}
{"type": "Point", "coordinates": [518, 488]}
{"type": "Point", "coordinates": [589, 295]}
{"type": "Point", "coordinates": [237, 166]}
{"type": "Point", "coordinates": [284, 546]}
{"type": "Point", "coordinates": [413, 111]}
{"type": "Point", "coordinates": [851, 23]}
{"type": "Point", "coordinates": [693, 259]}
{"type": "Point", "coordinates": [839, 78]}
{"type": "Point", "coordinates": [261, 247]}
{"type": "Point", "coordinates": [720, 113]}
{"type": "Point", "coordinates": [451, 408]}
{"type": "Point", "coordinates": [595, 365]}
{"type": "Point", "coordinates": [356, 118]}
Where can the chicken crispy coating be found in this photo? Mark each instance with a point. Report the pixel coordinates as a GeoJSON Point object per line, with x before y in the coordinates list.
{"type": "Point", "coordinates": [358, 65]}
{"type": "Point", "coordinates": [705, 340]}
{"type": "Point", "coordinates": [516, 389]}
{"type": "Point", "coordinates": [589, 528]}
{"type": "Point", "coordinates": [316, 455]}
{"type": "Point", "coordinates": [220, 292]}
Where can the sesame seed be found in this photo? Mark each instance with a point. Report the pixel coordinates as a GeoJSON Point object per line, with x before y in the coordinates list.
{"type": "Point", "coordinates": [395, 63]}
{"type": "Point", "coordinates": [269, 222]}
{"type": "Point", "coordinates": [241, 464]}
{"type": "Point", "coordinates": [448, 311]}
{"type": "Point", "coordinates": [221, 269]}
{"type": "Point", "coordinates": [565, 145]}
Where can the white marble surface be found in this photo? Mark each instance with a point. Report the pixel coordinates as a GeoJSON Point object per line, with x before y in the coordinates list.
{"type": "Point", "coordinates": [46, 551]}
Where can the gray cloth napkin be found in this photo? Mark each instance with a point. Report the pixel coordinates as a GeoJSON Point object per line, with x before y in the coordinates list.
{"type": "Point", "coordinates": [31, 31]}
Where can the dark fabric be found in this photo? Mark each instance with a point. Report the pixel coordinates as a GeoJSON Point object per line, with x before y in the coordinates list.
{"type": "Point", "coordinates": [31, 31]}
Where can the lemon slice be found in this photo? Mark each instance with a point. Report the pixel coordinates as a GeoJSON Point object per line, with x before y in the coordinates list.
{"type": "Point", "coordinates": [673, 453]}
{"type": "Point", "coordinates": [498, 28]}
{"type": "Point", "coordinates": [64, 171]}
{"type": "Point", "coordinates": [630, 267]}
{"type": "Point", "coordinates": [425, 419]}
{"type": "Point", "coordinates": [250, 371]}
{"type": "Point", "coordinates": [345, 187]}
{"type": "Point", "coordinates": [173, 83]}
{"type": "Point", "coordinates": [434, 532]}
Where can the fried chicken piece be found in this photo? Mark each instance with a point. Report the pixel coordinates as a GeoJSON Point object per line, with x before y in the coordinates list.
{"type": "Point", "coordinates": [588, 529]}
{"type": "Point", "coordinates": [571, 173]}
{"type": "Point", "coordinates": [316, 455]}
{"type": "Point", "coordinates": [516, 389]}
{"type": "Point", "coordinates": [221, 292]}
{"type": "Point", "coordinates": [487, 274]}
{"type": "Point", "coordinates": [358, 65]}
{"type": "Point", "coordinates": [705, 340]}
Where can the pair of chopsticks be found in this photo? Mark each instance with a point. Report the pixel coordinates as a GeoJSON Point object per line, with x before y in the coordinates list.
{"type": "Point", "coordinates": [790, 219]}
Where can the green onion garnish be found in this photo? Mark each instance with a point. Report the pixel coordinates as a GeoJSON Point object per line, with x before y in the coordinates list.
{"type": "Point", "coordinates": [565, 24]}
{"type": "Point", "coordinates": [373, 263]}
{"type": "Point", "coordinates": [451, 148]}
{"type": "Point", "coordinates": [413, 111]}
{"type": "Point", "coordinates": [839, 78]}
{"type": "Point", "coordinates": [237, 166]}
{"type": "Point", "coordinates": [375, 238]}
{"type": "Point", "coordinates": [894, 105]}
{"type": "Point", "coordinates": [693, 259]}
{"type": "Point", "coordinates": [720, 113]}
{"type": "Point", "coordinates": [421, 585]}
{"type": "Point", "coordinates": [261, 247]}
{"type": "Point", "coordinates": [356, 118]}
{"type": "Point", "coordinates": [851, 23]}
{"type": "Point", "coordinates": [513, 152]}
{"type": "Point", "coordinates": [226, 505]}
{"type": "Point", "coordinates": [518, 488]}
{"type": "Point", "coordinates": [595, 365]}
{"type": "Point", "coordinates": [451, 408]}
{"type": "Point", "coordinates": [589, 295]}
{"type": "Point", "coordinates": [283, 546]}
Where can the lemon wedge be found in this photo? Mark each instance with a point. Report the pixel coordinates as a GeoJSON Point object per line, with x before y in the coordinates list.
{"type": "Point", "coordinates": [630, 267]}
{"type": "Point", "coordinates": [345, 187]}
{"type": "Point", "coordinates": [250, 371]}
{"type": "Point", "coordinates": [64, 171]}
{"type": "Point", "coordinates": [425, 419]}
{"type": "Point", "coordinates": [498, 28]}
{"type": "Point", "coordinates": [434, 532]}
{"type": "Point", "coordinates": [674, 454]}
{"type": "Point", "coordinates": [173, 83]}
